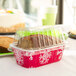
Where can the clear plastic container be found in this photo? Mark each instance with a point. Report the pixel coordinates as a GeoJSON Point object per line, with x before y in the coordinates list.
{"type": "Point", "coordinates": [38, 46]}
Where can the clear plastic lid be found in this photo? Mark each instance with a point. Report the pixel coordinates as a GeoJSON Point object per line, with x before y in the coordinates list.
{"type": "Point", "coordinates": [39, 37]}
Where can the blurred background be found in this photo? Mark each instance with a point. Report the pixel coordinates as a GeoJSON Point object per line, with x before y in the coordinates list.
{"type": "Point", "coordinates": [31, 8]}
{"type": "Point", "coordinates": [66, 9]}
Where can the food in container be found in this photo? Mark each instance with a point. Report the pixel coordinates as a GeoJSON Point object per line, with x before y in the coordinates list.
{"type": "Point", "coordinates": [4, 44]}
{"type": "Point", "coordinates": [72, 33]}
{"type": "Point", "coordinates": [38, 46]}
{"type": "Point", "coordinates": [37, 41]}
{"type": "Point", "coordinates": [11, 20]}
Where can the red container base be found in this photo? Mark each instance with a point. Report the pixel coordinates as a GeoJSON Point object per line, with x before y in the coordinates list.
{"type": "Point", "coordinates": [38, 58]}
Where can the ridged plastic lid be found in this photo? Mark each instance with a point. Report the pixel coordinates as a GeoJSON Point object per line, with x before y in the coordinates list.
{"type": "Point", "coordinates": [39, 37]}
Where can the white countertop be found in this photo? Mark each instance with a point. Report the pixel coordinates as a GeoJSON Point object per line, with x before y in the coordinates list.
{"type": "Point", "coordinates": [65, 67]}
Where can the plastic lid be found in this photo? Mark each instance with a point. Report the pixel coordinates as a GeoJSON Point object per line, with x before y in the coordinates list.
{"type": "Point", "coordinates": [39, 37]}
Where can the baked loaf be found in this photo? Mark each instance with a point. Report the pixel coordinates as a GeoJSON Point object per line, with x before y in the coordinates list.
{"type": "Point", "coordinates": [4, 44]}
{"type": "Point", "coordinates": [37, 41]}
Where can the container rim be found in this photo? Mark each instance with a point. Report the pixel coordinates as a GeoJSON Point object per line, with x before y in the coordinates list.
{"type": "Point", "coordinates": [13, 46]}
